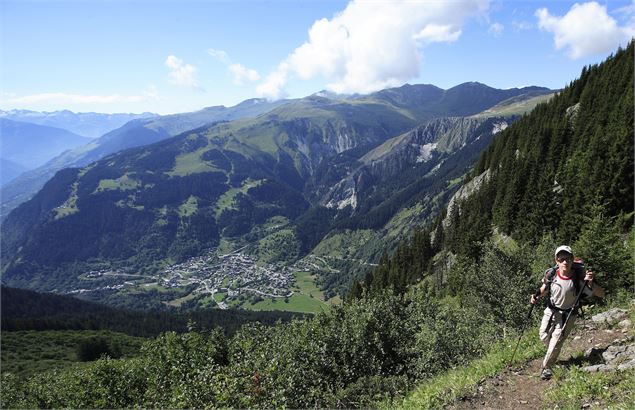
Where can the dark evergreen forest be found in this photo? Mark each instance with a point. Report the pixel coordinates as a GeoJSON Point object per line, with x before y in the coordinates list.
{"type": "Point", "coordinates": [29, 310]}
{"type": "Point", "coordinates": [561, 174]}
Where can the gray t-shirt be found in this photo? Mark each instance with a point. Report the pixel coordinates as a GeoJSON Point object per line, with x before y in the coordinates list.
{"type": "Point", "coordinates": [563, 291]}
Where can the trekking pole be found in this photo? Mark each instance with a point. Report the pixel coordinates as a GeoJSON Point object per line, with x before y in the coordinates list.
{"type": "Point", "coordinates": [523, 328]}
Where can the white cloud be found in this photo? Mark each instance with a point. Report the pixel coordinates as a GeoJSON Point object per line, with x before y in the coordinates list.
{"type": "Point", "coordinates": [372, 45]}
{"type": "Point", "coordinates": [521, 25]}
{"type": "Point", "coordinates": [628, 10]}
{"type": "Point", "coordinates": [438, 33]}
{"type": "Point", "coordinates": [496, 29]}
{"type": "Point", "coordinates": [242, 74]}
{"type": "Point", "coordinates": [220, 55]}
{"type": "Point", "coordinates": [273, 87]}
{"type": "Point", "coordinates": [181, 73]}
{"type": "Point", "coordinates": [587, 29]}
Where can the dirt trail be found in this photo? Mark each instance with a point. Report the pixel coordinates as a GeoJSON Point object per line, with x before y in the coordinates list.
{"type": "Point", "coordinates": [521, 387]}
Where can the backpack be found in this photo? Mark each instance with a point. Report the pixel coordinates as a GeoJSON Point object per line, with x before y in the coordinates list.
{"type": "Point", "coordinates": [579, 272]}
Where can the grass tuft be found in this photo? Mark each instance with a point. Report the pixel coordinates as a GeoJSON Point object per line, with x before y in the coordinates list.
{"type": "Point", "coordinates": [576, 388]}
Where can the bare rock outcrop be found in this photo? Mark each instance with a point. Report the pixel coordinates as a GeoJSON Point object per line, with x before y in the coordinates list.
{"type": "Point", "coordinates": [619, 355]}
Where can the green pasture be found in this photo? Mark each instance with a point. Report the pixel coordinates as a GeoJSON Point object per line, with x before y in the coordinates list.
{"type": "Point", "coordinates": [226, 201]}
{"type": "Point", "coordinates": [122, 183]}
{"type": "Point", "coordinates": [191, 163]}
{"type": "Point", "coordinates": [307, 298]}
{"type": "Point", "coordinates": [189, 207]}
{"type": "Point", "coordinates": [296, 303]}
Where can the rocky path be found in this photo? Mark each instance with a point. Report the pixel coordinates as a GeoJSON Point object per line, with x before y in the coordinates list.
{"type": "Point", "coordinates": [522, 388]}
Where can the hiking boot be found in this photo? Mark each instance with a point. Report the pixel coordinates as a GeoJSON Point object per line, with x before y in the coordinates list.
{"type": "Point", "coordinates": [546, 374]}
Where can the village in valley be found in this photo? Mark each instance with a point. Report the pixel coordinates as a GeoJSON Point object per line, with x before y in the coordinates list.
{"type": "Point", "coordinates": [232, 274]}
{"type": "Point", "coordinates": [225, 277]}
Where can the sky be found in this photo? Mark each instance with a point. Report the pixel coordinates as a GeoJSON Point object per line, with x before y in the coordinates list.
{"type": "Point", "coordinates": [169, 56]}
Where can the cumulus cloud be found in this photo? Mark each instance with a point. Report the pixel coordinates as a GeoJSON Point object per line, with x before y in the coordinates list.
{"type": "Point", "coordinates": [586, 29]}
{"type": "Point", "coordinates": [273, 87]}
{"type": "Point", "coordinates": [241, 73]}
{"type": "Point", "coordinates": [372, 45]}
{"type": "Point", "coordinates": [438, 33]}
{"type": "Point", "coordinates": [496, 29]}
{"type": "Point", "coordinates": [181, 73]}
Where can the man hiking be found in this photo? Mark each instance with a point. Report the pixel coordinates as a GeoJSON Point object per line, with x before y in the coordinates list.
{"type": "Point", "coordinates": [565, 283]}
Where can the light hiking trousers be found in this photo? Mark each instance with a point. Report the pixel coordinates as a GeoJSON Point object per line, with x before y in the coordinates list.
{"type": "Point", "coordinates": [553, 335]}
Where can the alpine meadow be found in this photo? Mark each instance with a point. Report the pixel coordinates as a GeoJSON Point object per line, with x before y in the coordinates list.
{"type": "Point", "coordinates": [344, 248]}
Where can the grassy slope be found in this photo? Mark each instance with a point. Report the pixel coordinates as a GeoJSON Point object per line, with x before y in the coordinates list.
{"type": "Point", "coordinates": [515, 106]}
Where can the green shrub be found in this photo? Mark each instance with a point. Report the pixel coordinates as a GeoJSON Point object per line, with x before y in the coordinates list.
{"type": "Point", "coordinates": [93, 348]}
{"type": "Point", "coordinates": [181, 369]}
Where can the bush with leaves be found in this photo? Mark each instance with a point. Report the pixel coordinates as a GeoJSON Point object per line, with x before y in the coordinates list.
{"type": "Point", "coordinates": [306, 363]}
{"type": "Point", "coordinates": [106, 383]}
{"type": "Point", "coordinates": [449, 332]}
{"type": "Point", "coordinates": [91, 349]}
{"type": "Point", "coordinates": [182, 369]}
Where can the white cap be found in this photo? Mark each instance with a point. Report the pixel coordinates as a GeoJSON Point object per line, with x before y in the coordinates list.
{"type": "Point", "coordinates": [563, 248]}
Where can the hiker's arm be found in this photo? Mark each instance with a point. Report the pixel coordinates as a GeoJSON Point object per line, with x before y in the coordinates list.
{"type": "Point", "coordinates": [598, 291]}
{"type": "Point", "coordinates": [539, 294]}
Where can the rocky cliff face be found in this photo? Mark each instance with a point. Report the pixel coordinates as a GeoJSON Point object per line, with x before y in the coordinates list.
{"type": "Point", "coordinates": [422, 149]}
{"type": "Point", "coordinates": [465, 191]}
{"type": "Point", "coordinates": [318, 142]}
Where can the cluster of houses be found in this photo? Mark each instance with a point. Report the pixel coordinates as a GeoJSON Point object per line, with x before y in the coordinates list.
{"type": "Point", "coordinates": [107, 287]}
{"type": "Point", "coordinates": [233, 275]}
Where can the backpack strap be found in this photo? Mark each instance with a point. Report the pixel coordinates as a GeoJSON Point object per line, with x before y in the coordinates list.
{"type": "Point", "coordinates": [550, 276]}
{"type": "Point", "coordinates": [579, 272]}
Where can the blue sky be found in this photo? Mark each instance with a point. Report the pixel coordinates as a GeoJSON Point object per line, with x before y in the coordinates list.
{"type": "Point", "coordinates": [175, 56]}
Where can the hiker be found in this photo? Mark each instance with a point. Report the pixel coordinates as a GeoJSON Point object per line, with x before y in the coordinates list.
{"type": "Point", "coordinates": [564, 282]}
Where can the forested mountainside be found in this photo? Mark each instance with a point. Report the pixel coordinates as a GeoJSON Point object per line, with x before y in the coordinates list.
{"type": "Point", "coordinates": [466, 298]}
{"type": "Point", "coordinates": [140, 130]}
{"type": "Point", "coordinates": [252, 182]}
{"type": "Point", "coordinates": [562, 174]}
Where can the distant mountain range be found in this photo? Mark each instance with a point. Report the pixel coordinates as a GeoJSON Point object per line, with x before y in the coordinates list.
{"type": "Point", "coordinates": [29, 145]}
{"type": "Point", "coordinates": [9, 170]}
{"type": "Point", "coordinates": [87, 124]}
{"type": "Point", "coordinates": [280, 183]}
{"type": "Point", "coordinates": [134, 133]}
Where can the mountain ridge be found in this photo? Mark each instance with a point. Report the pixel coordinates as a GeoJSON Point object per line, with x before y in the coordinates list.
{"type": "Point", "coordinates": [199, 189]}
{"type": "Point", "coordinates": [87, 124]}
{"type": "Point", "coordinates": [136, 132]}
{"type": "Point", "coordinates": [32, 145]}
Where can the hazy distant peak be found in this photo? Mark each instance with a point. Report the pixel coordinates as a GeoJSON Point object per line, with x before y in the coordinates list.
{"type": "Point", "coordinates": [88, 124]}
